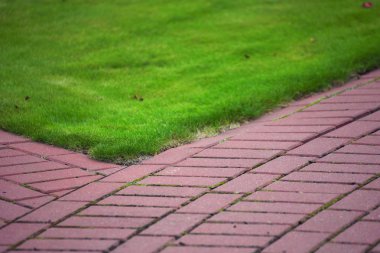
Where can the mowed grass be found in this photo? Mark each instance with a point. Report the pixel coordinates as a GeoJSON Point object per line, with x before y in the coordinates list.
{"type": "Point", "coordinates": [127, 78]}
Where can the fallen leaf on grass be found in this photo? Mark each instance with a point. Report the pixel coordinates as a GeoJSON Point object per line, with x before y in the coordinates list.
{"type": "Point", "coordinates": [367, 5]}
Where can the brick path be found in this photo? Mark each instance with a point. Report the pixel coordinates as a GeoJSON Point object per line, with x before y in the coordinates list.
{"type": "Point", "coordinates": [308, 182]}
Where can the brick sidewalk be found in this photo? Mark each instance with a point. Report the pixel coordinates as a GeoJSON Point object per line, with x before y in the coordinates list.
{"type": "Point", "coordinates": [308, 182]}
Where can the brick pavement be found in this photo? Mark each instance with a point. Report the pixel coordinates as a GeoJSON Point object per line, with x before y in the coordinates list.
{"type": "Point", "coordinates": [301, 179]}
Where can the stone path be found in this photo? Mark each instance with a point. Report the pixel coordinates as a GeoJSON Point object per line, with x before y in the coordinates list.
{"type": "Point", "coordinates": [308, 182]}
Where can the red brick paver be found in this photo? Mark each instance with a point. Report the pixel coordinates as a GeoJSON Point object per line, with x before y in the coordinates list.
{"type": "Point", "coordinates": [301, 179]}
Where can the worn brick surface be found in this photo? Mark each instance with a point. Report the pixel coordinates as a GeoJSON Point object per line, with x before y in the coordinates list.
{"type": "Point", "coordinates": [362, 232]}
{"type": "Point", "coordinates": [67, 244]}
{"type": "Point", "coordinates": [143, 244]}
{"type": "Point", "coordinates": [87, 233]}
{"type": "Point", "coordinates": [174, 224]}
{"type": "Point", "coordinates": [172, 155]}
{"type": "Point", "coordinates": [369, 140]}
{"type": "Point", "coordinates": [355, 129]}
{"type": "Point", "coordinates": [225, 240]}
{"type": "Point", "coordinates": [126, 211]}
{"type": "Point", "coordinates": [6, 138]}
{"type": "Point", "coordinates": [182, 181]}
{"type": "Point", "coordinates": [40, 149]}
{"type": "Point", "coordinates": [239, 229]}
{"type": "Point", "coordinates": [283, 164]}
{"type": "Point", "coordinates": [274, 207]}
{"type": "Point", "coordinates": [32, 167]}
{"type": "Point", "coordinates": [132, 173]}
{"type": "Point", "coordinates": [319, 146]}
{"type": "Point", "coordinates": [360, 149]}
{"type": "Point", "coordinates": [238, 153]}
{"type": "Point", "coordinates": [329, 221]}
{"type": "Point", "coordinates": [246, 217]}
{"type": "Point", "coordinates": [162, 191]}
{"type": "Point", "coordinates": [309, 187]}
{"type": "Point", "coordinates": [144, 201]}
{"type": "Point", "coordinates": [296, 242]}
{"type": "Point", "coordinates": [16, 232]}
{"type": "Point", "coordinates": [361, 200]}
{"type": "Point", "coordinates": [342, 167]}
{"type": "Point", "coordinates": [221, 162]}
{"type": "Point", "coordinates": [279, 145]}
{"type": "Point", "coordinates": [297, 197]}
{"type": "Point", "coordinates": [246, 183]}
{"type": "Point", "coordinates": [209, 203]}
{"type": "Point", "coordinates": [339, 248]}
{"type": "Point", "coordinates": [200, 171]}
{"type": "Point", "coordinates": [327, 177]}
{"type": "Point", "coordinates": [105, 222]}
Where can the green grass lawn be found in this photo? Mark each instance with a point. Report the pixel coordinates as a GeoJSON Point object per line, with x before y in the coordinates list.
{"type": "Point", "coordinates": [125, 78]}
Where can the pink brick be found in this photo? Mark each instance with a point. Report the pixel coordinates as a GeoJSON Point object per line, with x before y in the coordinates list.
{"type": "Point", "coordinates": [238, 153]}
{"type": "Point", "coordinates": [362, 232]}
{"type": "Point", "coordinates": [246, 183]}
{"type": "Point", "coordinates": [339, 248]}
{"type": "Point", "coordinates": [144, 201]}
{"type": "Point", "coordinates": [16, 192]}
{"type": "Point", "coordinates": [270, 218]}
{"type": "Point", "coordinates": [172, 156]}
{"type": "Point", "coordinates": [162, 191]}
{"type": "Point", "coordinates": [67, 244]}
{"type": "Point", "coordinates": [274, 136]}
{"type": "Point", "coordinates": [240, 229]}
{"type": "Point", "coordinates": [297, 197]}
{"type": "Point", "coordinates": [329, 221]}
{"type": "Point", "coordinates": [7, 152]}
{"type": "Point", "coordinates": [182, 181]}
{"type": "Point", "coordinates": [309, 187]}
{"type": "Point", "coordinates": [372, 117]}
{"type": "Point", "coordinates": [6, 138]}
{"type": "Point", "coordinates": [40, 149]}
{"type": "Point", "coordinates": [274, 207]}
{"type": "Point", "coordinates": [309, 122]}
{"type": "Point", "coordinates": [126, 211]}
{"type": "Point", "coordinates": [330, 114]}
{"type": "Point", "coordinates": [52, 212]}
{"type": "Point", "coordinates": [374, 215]}
{"type": "Point", "coordinates": [291, 242]}
{"type": "Point", "coordinates": [132, 173]}
{"type": "Point", "coordinates": [209, 203]}
{"type": "Point", "coordinates": [318, 147]}
{"type": "Point", "coordinates": [220, 162]}
{"type": "Point", "coordinates": [351, 158]}
{"type": "Point", "coordinates": [279, 145]}
{"type": "Point", "coordinates": [225, 240]}
{"type": "Point", "coordinates": [341, 107]}
{"type": "Point", "coordinates": [289, 129]}
{"type": "Point", "coordinates": [174, 224]}
{"type": "Point", "coordinates": [354, 129]}
{"type": "Point", "coordinates": [369, 140]}
{"type": "Point", "coordinates": [105, 222]}
{"type": "Point", "coordinates": [360, 149]}
{"type": "Point", "coordinates": [48, 175]}
{"type": "Point", "coordinates": [374, 98]}
{"type": "Point", "coordinates": [376, 249]}
{"type": "Point", "coordinates": [361, 200]}
{"type": "Point", "coordinates": [201, 249]}
{"type": "Point", "coordinates": [63, 184]}
{"type": "Point", "coordinates": [372, 74]}
{"type": "Point", "coordinates": [82, 161]}
{"type": "Point", "coordinates": [345, 168]}
{"type": "Point", "coordinates": [87, 233]}
{"type": "Point", "coordinates": [327, 177]}
{"type": "Point", "coordinates": [16, 232]}
{"type": "Point", "coordinates": [92, 191]}
{"type": "Point", "coordinates": [374, 185]}
{"type": "Point", "coordinates": [32, 167]}
{"type": "Point", "coordinates": [37, 202]}
{"type": "Point", "coordinates": [201, 171]}
{"type": "Point", "coordinates": [6, 161]}
{"type": "Point", "coordinates": [283, 164]}
{"type": "Point", "coordinates": [143, 244]}
{"type": "Point", "coordinates": [10, 211]}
